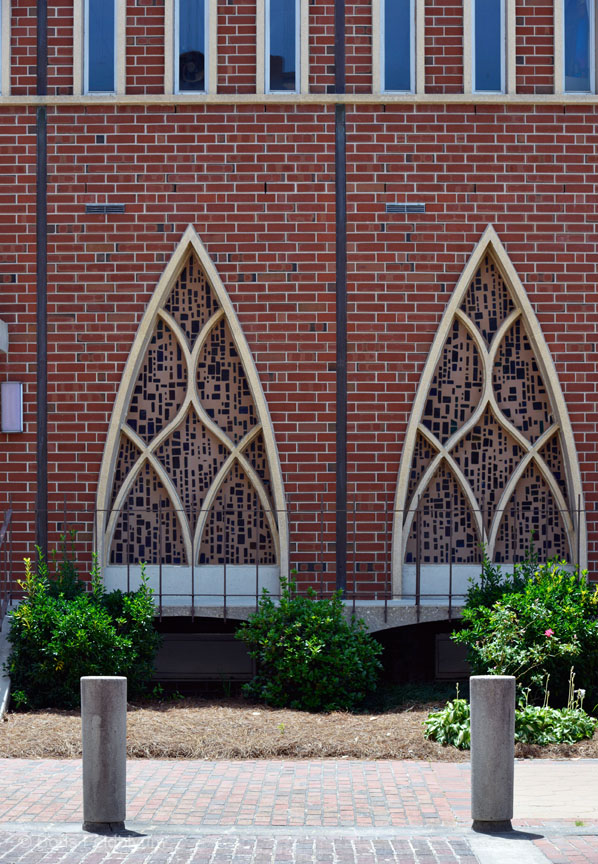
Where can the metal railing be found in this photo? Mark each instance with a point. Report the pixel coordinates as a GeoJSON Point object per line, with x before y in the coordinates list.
{"type": "Point", "coordinates": [6, 560]}
{"type": "Point", "coordinates": [437, 558]}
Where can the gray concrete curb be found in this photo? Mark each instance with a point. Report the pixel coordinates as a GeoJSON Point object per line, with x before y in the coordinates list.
{"type": "Point", "coordinates": [4, 654]}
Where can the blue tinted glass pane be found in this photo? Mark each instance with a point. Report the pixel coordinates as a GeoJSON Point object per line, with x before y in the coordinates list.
{"type": "Point", "coordinates": [100, 46]}
{"type": "Point", "coordinates": [577, 46]}
{"type": "Point", "coordinates": [397, 45]}
{"type": "Point", "coordinates": [488, 45]}
{"type": "Point", "coordinates": [282, 45]}
{"type": "Point", "coordinates": [192, 45]}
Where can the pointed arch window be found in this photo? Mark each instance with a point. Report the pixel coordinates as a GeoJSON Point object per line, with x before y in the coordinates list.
{"type": "Point", "coordinates": [489, 459]}
{"type": "Point", "coordinates": [190, 476]}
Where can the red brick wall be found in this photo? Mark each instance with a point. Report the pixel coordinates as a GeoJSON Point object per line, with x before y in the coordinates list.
{"type": "Point", "coordinates": [23, 42]}
{"type": "Point", "coordinates": [535, 47]}
{"type": "Point", "coordinates": [257, 182]}
{"type": "Point", "coordinates": [321, 47]}
{"type": "Point", "coordinates": [358, 40]}
{"type": "Point", "coordinates": [444, 46]}
{"type": "Point", "coordinates": [60, 49]}
{"type": "Point", "coordinates": [145, 46]}
{"type": "Point", "coordinates": [236, 47]}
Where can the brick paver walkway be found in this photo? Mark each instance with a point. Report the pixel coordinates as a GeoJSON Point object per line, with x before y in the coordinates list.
{"type": "Point", "coordinates": [260, 812]}
{"type": "Point", "coordinates": [259, 793]}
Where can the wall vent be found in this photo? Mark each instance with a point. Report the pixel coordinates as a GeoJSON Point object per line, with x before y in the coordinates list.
{"type": "Point", "coordinates": [406, 208]}
{"type": "Point", "coordinates": [104, 208]}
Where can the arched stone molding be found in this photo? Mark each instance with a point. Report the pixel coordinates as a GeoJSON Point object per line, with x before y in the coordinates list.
{"type": "Point", "coordinates": [489, 377]}
{"type": "Point", "coordinates": [190, 430]}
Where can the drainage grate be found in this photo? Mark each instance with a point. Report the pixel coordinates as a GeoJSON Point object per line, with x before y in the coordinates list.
{"type": "Point", "coordinates": [406, 208]}
{"type": "Point", "coordinates": [104, 208]}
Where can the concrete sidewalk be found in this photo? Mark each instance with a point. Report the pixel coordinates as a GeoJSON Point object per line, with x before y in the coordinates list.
{"type": "Point", "coordinates": [333, 812]}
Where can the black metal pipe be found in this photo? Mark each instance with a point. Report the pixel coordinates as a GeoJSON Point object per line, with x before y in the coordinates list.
{"type": "Point", "coordinates": [341, 346]}
{"type": "Point", "coordinates": [340, 162]}
{"type": "Point", "coordinates": [41, 510]}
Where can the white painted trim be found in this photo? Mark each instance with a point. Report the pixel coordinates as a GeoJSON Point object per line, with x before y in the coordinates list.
{"type": "Point", "coordinates": [575, 524]}
{"type": "Point", "coordinates": [177, 47]}
{"type": "Point", "coordinates": [559, 46]}
{"type": "Point", "coordinates": [377, 35]}
{"type": "Point", "coordinates": [212, 46]}
{"type": "Point", "coordinates": [120, 39]}
{"type": "Point", "coordinates": [168, 100]}
{"type": "Point", "coordinates": [260, 47]}
{"type": "Point", "coordinates": [303, 46]}
{"type": "Point", "coordinates": [107, 515]}
{"type": "Point", "coordinates": [510, 50]}
{"type": "Point", "coordinates": [78, 40]}
{"type": "Point", "coordinates": [169, 53]}
{"type": "Point", "coordinates": [468, 46]}
{"type": "Point", "coordinates": [5, 47]}
{"type": "Point", "coordinates": [420, 46]}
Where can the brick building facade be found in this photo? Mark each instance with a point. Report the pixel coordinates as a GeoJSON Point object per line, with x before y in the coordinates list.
{"type": "Point", "coordinates": [253, 173]}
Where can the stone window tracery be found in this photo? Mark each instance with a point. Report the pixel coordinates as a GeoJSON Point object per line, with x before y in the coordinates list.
{"type": "Point", "coordinates": [194, 476]}
{"type": "Point", "coordinates": [489, 460]}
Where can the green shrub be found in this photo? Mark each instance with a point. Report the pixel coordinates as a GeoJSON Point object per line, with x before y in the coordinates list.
{"type": "Point", "coordinates": [544, 628]}
{"type": "Point", "coordinates": [65, 578]}
{"type": "Point", "coordinates": [451, 725]}
{"type": "Point", "coordinates": [308, 655]}
{"type": "Point", "coordinates": [58, 637]}
{"type": "Point", "coordinates": [493, 583]}
{"type": "Point", "coordinates": [534, 724]}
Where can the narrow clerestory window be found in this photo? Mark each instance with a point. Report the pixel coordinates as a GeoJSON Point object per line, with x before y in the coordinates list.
{"type": "Point", "coordinates": [579, 47]}
{"type": "Point", "coordinates": [282, 38]}
{"type": "Point", "coordinates": [489, 42]}
{"type": "Point", "coordinates": [100, 46]}
{"type": "Point", "coordinates": [191, 46]}
{"type": "Point", "coordinates": [398, 46]}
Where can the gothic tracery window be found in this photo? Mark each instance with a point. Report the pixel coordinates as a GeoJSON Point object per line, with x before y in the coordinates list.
{"type": "Point", "coordinates": [189, 474]}
{"type": "Point", "coordinates": [489, 460]}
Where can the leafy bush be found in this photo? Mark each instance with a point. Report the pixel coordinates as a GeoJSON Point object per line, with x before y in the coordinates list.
{"type": "Point", "coordinates": [534, 724]}
{"type": "Point", "coordinates": [309, 656]}
{"type": "Point", "coordinates": [493, 583]}
{"type": "Point", "coordinates": [537, 724]}
{"type": "Point", "coordinates": [58, 637]}
{"type": "Point", "coordinates": [65, 578]}
{"type": "Point", "coordinates": [546, 626]}
{"type": "Point", "coordinates": [451, 725]}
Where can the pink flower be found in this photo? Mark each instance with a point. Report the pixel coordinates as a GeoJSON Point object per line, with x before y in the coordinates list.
{"type": "Point", "coordinates": [549, 632]}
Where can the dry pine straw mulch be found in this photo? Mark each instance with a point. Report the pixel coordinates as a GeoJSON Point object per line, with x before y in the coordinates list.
{"type": "Point", "coordinates": [233, 729]}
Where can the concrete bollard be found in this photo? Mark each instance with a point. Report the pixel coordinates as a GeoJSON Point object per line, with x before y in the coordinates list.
{"type": "Point", "coordinates": [492, 700]}
{"type": "Point", "coordinates": [104, 731]}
